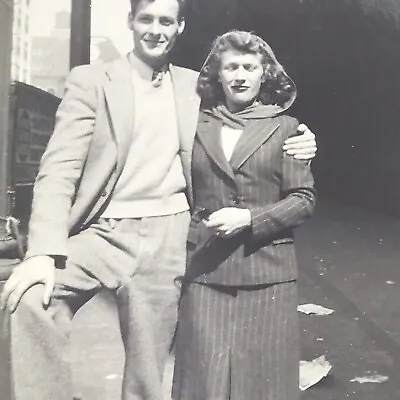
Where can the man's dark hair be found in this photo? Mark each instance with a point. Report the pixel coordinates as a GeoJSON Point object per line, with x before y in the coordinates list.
{"type": "Point", "coordinates": [181, 4]}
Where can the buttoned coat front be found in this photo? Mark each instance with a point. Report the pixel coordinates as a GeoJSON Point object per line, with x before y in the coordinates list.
{"type": "Point", "coordinates": [276, 188]}
{"type": "Point", "coordinates": [87, 151]}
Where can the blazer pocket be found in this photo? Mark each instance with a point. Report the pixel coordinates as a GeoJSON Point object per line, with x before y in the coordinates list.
{"type": "Point", "coordinates": [277, 242]}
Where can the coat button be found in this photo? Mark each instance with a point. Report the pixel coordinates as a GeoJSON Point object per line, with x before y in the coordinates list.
{"type": "Point", "coordinates": [104, 193]}
{"type": "Point", "coordinates": [236, 200]}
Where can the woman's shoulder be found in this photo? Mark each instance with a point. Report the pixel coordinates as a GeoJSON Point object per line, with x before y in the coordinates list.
{"type": "Point", "coordinates": [288, 125]}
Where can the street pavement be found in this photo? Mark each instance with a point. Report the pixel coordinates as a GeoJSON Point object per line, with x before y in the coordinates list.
{"type": "Point", "coordinates": [348, 262]}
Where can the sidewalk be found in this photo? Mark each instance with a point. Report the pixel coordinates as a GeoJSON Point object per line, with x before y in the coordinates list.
{"type": "Point", "coordinates": [357, 252]}
{"type": "Point", "coordinates": [346, 257]}
{"type": "Point", "coordinates": [349, 262]}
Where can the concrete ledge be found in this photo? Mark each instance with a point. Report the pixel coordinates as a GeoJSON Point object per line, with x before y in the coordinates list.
{"type": "Point", "coordinates": [5, 368]}
{"type": "Point", "coordinates": [96, 349]}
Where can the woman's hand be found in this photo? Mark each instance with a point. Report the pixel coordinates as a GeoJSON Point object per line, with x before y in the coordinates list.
{"type": "Point", "coordinates": [228, 221]}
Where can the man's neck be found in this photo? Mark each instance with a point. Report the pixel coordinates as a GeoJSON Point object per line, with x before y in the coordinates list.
{"type": "Point", "coordinates": [154, 63]}
{"type": "Point", "coordinates": [143, 69]}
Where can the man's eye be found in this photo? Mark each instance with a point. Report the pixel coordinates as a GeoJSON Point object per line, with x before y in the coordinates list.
{"type": "Point", "coordinates": [145, 19]}
{"type": "Point", "coordinates": [166, 21]}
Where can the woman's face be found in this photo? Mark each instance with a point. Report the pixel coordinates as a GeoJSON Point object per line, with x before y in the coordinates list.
{"type": "Point", "coordinates": [240, 75]}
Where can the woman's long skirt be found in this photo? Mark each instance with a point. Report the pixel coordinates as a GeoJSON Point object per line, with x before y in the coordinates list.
{"type": "Point", "coordinates": [237, 343]}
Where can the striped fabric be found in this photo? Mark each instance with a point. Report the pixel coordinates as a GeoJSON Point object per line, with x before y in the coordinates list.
{"type": "Point", "coordinates": [237, 329]}
{"type": "Point", "coordinates": [237, 343]}
{"type": "Point", "coordinates": [278, 190]}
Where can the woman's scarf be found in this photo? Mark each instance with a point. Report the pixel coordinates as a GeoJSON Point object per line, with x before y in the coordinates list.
{"type": "Point", "coordinates": [238, 119]}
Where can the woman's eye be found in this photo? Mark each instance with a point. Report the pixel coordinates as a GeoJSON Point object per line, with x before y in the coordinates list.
{"type": "Point", "coordinates": [230, 68]}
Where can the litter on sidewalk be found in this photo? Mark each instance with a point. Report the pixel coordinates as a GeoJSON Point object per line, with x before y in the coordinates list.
{"type": "Point", "coordinates": [314, 309]}
{"type": "Point", "coordinates": [374, 378]}
{"type": "Point", "coordinates": [311, 372]}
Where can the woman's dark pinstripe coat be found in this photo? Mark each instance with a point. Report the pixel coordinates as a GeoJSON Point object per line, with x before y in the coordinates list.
{"type": "Point", "coordinates": [278, 190]}
{"type": "Point", "coordinates": [236, 340]}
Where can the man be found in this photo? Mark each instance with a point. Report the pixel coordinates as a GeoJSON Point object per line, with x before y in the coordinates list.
{"type": "Point", "coordinates": [110, 210]}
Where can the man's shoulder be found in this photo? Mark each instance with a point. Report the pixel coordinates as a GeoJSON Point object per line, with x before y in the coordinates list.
{"type": "Point", "coordinates": [98, 71]}
{"type": "Point", "coordinates": [186, 72]}
{"type": "Point", "coordinates": [87, 73]}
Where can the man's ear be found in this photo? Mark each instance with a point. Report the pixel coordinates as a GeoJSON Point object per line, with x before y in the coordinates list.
{"type": "Point", "coordinates": [130, 20]}
{"type": "Point", "coordinates": [181, 26]}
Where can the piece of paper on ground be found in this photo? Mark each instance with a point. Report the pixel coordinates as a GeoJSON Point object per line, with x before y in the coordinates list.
{"type": "Point", "coordinates": [370, 379]}
{"type": "Point", "coordinates": [314, 309]}
{"type": "Point", "coordinates": [311, 372]}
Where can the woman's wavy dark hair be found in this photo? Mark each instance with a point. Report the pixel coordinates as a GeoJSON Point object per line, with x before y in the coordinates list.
{"type": "Point", "coordinates": [277, 87]}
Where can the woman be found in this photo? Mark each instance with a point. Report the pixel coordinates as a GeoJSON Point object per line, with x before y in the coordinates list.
{"type": "Point", "coordinates": [237, 334]}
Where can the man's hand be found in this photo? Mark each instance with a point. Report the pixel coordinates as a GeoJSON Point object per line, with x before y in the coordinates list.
{"type": "Point", "coordinates": [228, 221]}
{"type": "Point", "coordinates": [33, 271]}
{"type": "Point", "coordinates": [302, 146]}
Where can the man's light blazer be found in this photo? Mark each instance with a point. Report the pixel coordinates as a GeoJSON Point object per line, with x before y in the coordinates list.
{"type": "Point", "coordinates": [88, 149]}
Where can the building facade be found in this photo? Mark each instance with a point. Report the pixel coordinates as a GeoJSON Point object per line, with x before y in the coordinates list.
{"type": "Point", "coordinates": [21, 53]}
{"type": "Point", "coordinates": [50, 55]}
{"type": "Point", "coordinates": [6, 12]}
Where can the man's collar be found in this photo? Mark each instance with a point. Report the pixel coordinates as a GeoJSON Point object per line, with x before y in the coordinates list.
{"type": "Point", "coordinates": [144, 70]}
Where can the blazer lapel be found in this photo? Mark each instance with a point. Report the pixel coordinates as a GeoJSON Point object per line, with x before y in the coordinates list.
{"type": "Point", "coordinates": [208, 133]}
{"type": "Point", "coordinates": [187, 104]}
{"type": "Point", "coordinates": [255, 134]}
{"type": "Point", "coordinates": [120, 102]}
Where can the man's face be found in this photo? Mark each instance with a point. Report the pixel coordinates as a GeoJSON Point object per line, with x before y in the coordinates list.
{"type": "Point", "coordinates": [155, 26]}
{"type": "Point", "coordinates": [241, 75]}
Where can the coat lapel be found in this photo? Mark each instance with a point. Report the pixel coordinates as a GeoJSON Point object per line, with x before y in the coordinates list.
{"type": "Point", "coordinates": [187, 104]}
{"type": "Point", "coordinates": [255, 134]}
{"type": "Point", "coordinates": [120, 102]}
{"type": "Point", "coordinates": [209, 133]}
